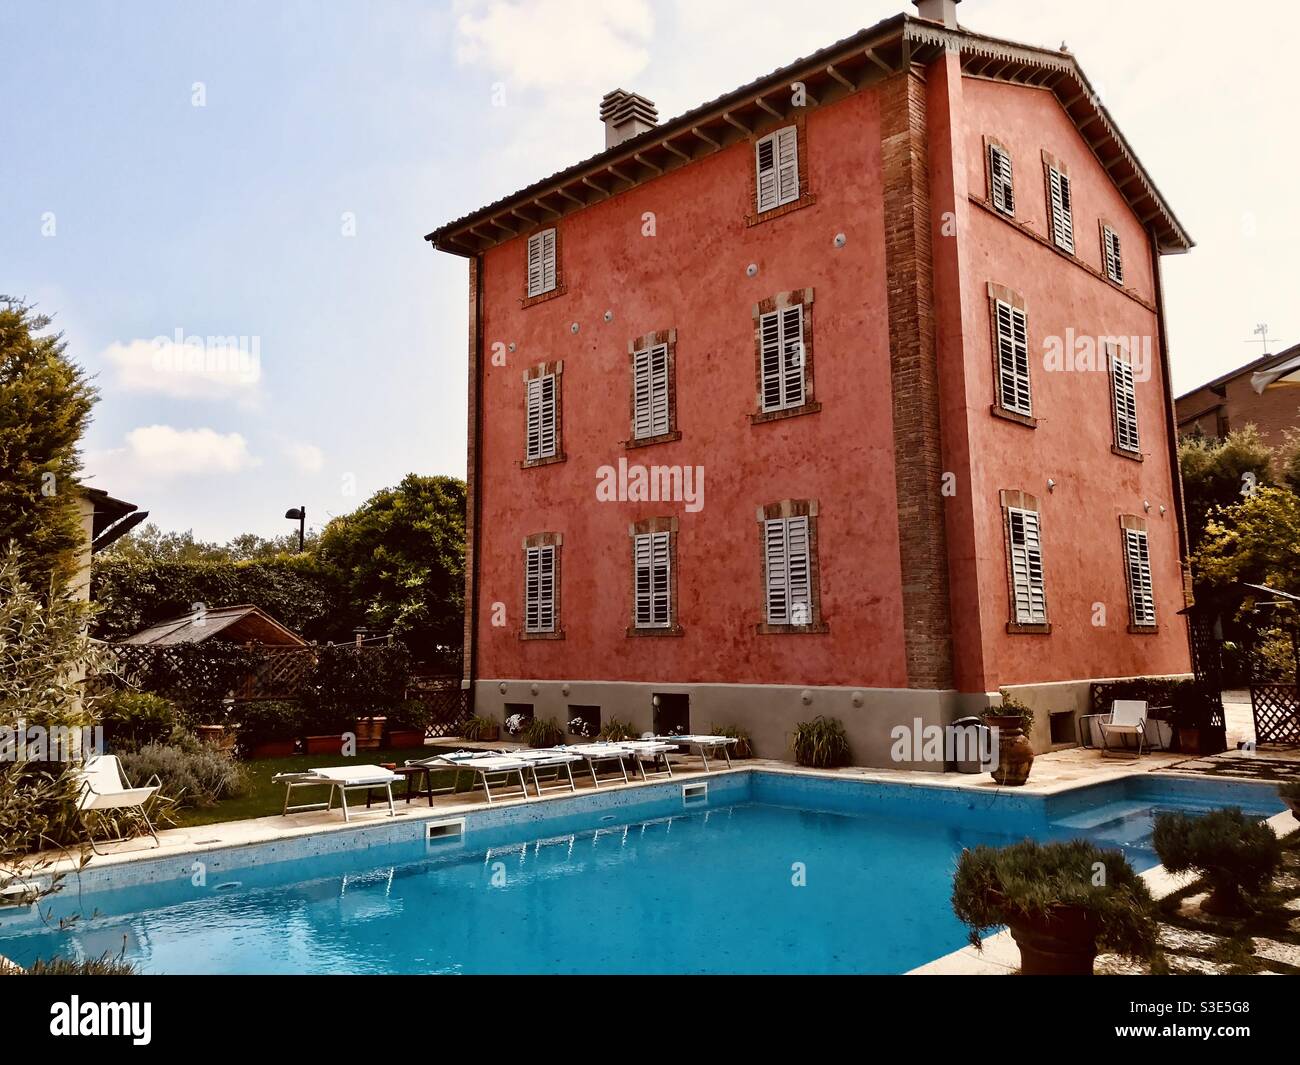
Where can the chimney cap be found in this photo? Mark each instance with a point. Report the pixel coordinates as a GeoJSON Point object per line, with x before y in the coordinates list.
{"type": "Point", "coordinates": [626, 115]}
{"type": "Point", "coordinates": [941, 11]}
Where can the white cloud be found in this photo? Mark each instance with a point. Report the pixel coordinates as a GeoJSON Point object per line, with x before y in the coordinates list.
{"type": "Point", "coordinates": [189, 367]}
{"type": "Point", "coordinates": [306, 458]}
{"type": "Point", "coordinates": [161, 451]}
{"type": "Point", "coordinates": [552, 44]}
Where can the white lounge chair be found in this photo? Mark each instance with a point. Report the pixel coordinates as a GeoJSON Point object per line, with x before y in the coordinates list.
{"type": "Point", "coordinates": [340, 780]}
{"type": "Point", "coordinates": [650, 750]}
{"type": "Point", "coordinates": [503, 768]}
{"type": "Point", "coordinates": [104, 786]}
{"type": "Point", "coordinates": [602, 751]}
{"type": "Point", "coordinates": [557, 758]}
{"type": "Point", "coordinates": [1128, 720]}
{"type": "Point", "coordinates": [704, 746]}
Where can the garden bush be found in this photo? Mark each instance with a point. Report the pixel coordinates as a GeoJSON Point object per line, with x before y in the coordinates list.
{"type": "Point", "coordinates": [1237, 855]}
{"type": "Point", "coordinates": [350, 682]}
{"type": "Point", "coordinates": [820, 743]}
{"type": "Point", "coordinates": [193, 773]}
{"type": "Point", "coordinates": [132, 719]}
{"type": "Point", "coordinates": [267, 721]}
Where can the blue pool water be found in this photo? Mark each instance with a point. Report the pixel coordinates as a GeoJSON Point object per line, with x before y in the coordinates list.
{"type": "Point", "coordinates": [617, 882]}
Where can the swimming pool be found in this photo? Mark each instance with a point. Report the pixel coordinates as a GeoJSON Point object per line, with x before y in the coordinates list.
{"type": "Point", "coordinates": [770, 872]}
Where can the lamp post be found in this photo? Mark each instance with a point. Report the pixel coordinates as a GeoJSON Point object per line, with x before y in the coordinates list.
{"type": "Point", "coordinates": [299, 514]}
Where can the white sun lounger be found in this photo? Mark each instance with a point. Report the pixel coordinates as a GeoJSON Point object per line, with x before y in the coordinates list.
{"type": "Point", "coordinates": [103, 786]}
{"type": "Point", "coordinates": [486, 765]}
{"type": "Point", "coordinates": [642, 751]}
{"type": "Point", "coordinates": [595, 753]}
{"type": "Point", "coordinates": [557, 758]}
{"type": "Point", "coordinates": [704, 746]}
{"type": "Point", "coordinates": [340, 780]}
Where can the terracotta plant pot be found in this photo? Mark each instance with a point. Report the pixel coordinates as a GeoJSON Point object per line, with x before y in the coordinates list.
{"type": "Point", "coordinates": [1015, 754]}
{"type": "Point", "coordinates": [370, 732]}
{"type": "Point", "coordinates": [1064, 944]}
{"type": "Point", "coordinates": [1189, 741]}
{"type": "Point", "coordinates": [215, 735]}
{"type": "Point", "coordinates": [490, 735]}
{"type": "Point", "coordinates": [406, 737]}
{"type": "Point", "coordinates": [323, 744]}
{"type": "Point", "coordinates": [272, 749]}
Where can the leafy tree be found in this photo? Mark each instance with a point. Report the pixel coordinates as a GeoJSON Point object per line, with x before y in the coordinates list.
{"type": "Point", "coordinates": [1218, 473]}
{"type": "Point", "coordinates": [151, 544]}
{"type": "Point", "coordinates": [400, 557]}
{"type": "Point", "coordinates": [45, 402]}
{"type": "Point", "coordinates": [1287, 463]}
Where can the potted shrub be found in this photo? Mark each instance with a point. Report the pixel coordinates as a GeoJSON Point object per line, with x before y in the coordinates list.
{"type": "Point", "coordinates": [481, 730]}
{"type": "Point", "coordinates": [269, 728]}
{"type": "Point", "coordinates": [369, 732]}
{"type": "Point", "coordinates": [1235, 854]}
{"type": "Point", "coordinates": [579, 729]}
{"type": "Point", "coordinates": [1062, 901]}
{"type": "Point", "coordinates": [326, 727]}
{"type": "Point", "coordinates": [406, 724]}
{"type": "Point", "coordinates": [743, 748]}
{"type": "Point", "coordinates": [133, 719]}
{"type": "Point", "coordinates": [615, 730]}
{"type": "Point", "coordinates": [820, 743]}
{"type": "Point", "coordinates": [517, 725]}
{"type": "Point", "coordinates": [543, 733]}
{"type": "Point", "coordinates": [1290, 794]}
{"type": "Point", "coordinates": [1013, 721]}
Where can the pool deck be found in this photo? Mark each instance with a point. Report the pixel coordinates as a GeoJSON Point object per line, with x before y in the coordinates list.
{"type": "Point", "coordinates": [1054, 772]}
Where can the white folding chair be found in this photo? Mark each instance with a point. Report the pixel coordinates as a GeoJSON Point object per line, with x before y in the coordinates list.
{"type": "Point", "coordinates": [104, 786]}
{"type": "Point", "coordinates": [1128, 720]}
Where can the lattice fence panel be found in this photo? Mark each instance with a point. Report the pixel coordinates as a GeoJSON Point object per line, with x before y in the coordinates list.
{"type": "Point", "coordinates": [1277, 713]}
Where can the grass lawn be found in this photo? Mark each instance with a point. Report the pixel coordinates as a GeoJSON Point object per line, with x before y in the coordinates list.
{"type": "Point", "coordinates": [266, 796]}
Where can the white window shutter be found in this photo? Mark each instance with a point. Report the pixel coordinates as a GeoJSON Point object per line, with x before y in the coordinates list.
{"type": "Point", "coordinates": [1000, 179]}
{"type": "Point", "coordinates": [1114, 262]}
{"type": "Point", "coordinates": [539, 589]}
{"type": "Point", "coordinates": [783, 358]}
{"type": "Point", "coordinates": [1138, 563]}
{"type": "Point", "coordinates": [1028, 592]}
{"type": "Point", "coordinates": [1124, 396]}
{"type": "Point", "coordinates": [653, 588]}
{"type": "Point", "coordinates": [1013, 359]}
{"type": "Point", "coordinates": [541, 398]}
{"type": "Point", "coordinates": [650, 392]}
{"type": "Point", "coordinates": [1062, 220]}
{"type": "Point", "coordinates": [789, 571]}
{"type": "Point", "coordinates": [776, 165]}
{"type": "Point", "coordinates": [541, 262]}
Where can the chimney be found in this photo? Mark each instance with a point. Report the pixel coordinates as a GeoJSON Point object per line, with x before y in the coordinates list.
{"type": "Point", "coordinates": [626, 114]}
{"type": "Point", "coordinates": [942, 11]}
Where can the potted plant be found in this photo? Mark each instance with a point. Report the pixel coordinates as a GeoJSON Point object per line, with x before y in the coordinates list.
{"type": "Point", "coordinates": [543, 733]}
{"type": "Point", "coordinates": [615, 730]}
{"type": "Point", "coordinates": [1290, 794]}
{"type": "Point", "coordinates": [743, 747]}
{"type": "Point", "coordinates": [1235, 854]}
{"type": "Point", "coordinates": [370, 732]}
{"type": "Point", "coordinates": [326, 727]}
{"type": "Point", "coordinates": [406, 724]}
{"type": "Point", "coordinates": [517, 725]}
{"type": "Point", "coordinates": [269, 728]}
{"type": "Point", "coordinates": [1012, 722]}
{"type": "Point", "coordinates": [481, 730]}
{"type": "Point", "coordinates": [580, 729]}
{"type": "Point", "coordinates": [820, 743]}
{"type": "Point", "coordinates": [1062, 902]}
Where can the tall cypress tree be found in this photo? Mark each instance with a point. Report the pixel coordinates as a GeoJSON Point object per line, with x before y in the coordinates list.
{"type": "Point", "coordinates": [45, 402]}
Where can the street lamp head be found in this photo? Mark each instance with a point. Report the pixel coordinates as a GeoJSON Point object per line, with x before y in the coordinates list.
{"type": "Point", "coordinates": [294, 515]}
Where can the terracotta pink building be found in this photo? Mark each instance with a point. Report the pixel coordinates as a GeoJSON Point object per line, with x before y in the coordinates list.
{"type": "Point", "coordinates": [845, 393]}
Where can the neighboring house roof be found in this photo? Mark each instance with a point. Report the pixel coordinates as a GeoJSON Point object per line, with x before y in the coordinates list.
{"type": "Point", "coordinates": [1264, 371]}
{"type": "Point", "coordinates": [234, 624]}
{"type": "Point", "coordinates": [829, 74]}
{"type": "Point", "coordinates": [113, 519]}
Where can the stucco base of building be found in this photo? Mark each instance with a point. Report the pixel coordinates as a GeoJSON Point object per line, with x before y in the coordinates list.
{"type": "Point", "coordinates": [768, 712]}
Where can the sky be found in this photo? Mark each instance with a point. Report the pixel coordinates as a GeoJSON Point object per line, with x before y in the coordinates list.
{"type": "Point", "coordinates": [223, 203]}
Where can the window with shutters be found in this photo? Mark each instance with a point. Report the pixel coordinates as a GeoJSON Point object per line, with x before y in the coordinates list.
{"type": "Point", "coordinates": [542, 414]}
{"type": "Point", "coordinates": [542, 587]}
{"type": "Point", "coordinates": [654, 388]}
{"type": "Point", "coordinates": [654, 577]}
{"type": "Point", "coordinates": [1060, 219]}
{"type": "Point", "coordinates": [780, 174]}
{"type": "Point", "coordinates": [1001, 193]}
{"type": "Point", "coordinates": [544, 277]}
{"type": "Point", "coordinates": [791, 601]}
{"type": "Point", "coordinates": [783, 353]}
{"type": "Point", "coordinates": [1123, 401]}
{"type": "Point", "coordinates": [1025, 580]}
{"type": "Point", "coordinates": [1013, 396]}
{"type": "Point", "coordinates": [1137, 569]}
{"type": "Point", "coordinates": [1111, 255]}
